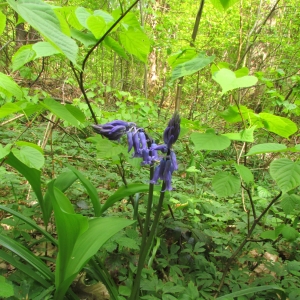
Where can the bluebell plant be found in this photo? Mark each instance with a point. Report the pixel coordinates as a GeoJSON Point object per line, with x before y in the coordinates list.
{"type": "Point", "coordinates": [145, 147]}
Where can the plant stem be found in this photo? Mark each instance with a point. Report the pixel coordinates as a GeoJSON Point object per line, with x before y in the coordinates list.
{"type": "Point", "coordinates": [246, 240]}
{"type": "Point", "coordinates": [147, 242]}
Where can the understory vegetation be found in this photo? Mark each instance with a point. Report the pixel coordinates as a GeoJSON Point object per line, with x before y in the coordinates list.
{"type": "Point", "coordinates": [188, 185]}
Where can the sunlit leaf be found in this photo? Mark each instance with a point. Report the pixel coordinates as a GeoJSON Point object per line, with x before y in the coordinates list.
{"type": "Point", "coordinates": [24, 55]}
{"type": "Point", "coordinates": [245, 173]}
{"type": "Point", "coordinates": [223, 5]}
{"type": "Point", "coordinates": [9, 86]}
{"type": "Point", "coordinates": [2, 22]}
{"type": "Point", "coordinates": [29, 156]}
{"type": "Point", "coordinates": [43, 49]}
{"type": "Point", "coordinates": [286, 173]}
{"type": "Point", "coordinates": [225, 184]}
{"type": "Point", "coordinates": [209, 141]}
{"type": "Point", "coordinates": [266, 148]}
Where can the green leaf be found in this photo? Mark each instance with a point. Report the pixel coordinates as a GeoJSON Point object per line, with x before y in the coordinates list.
{"type": "Point", "coordinates": [266, 148]}
{"type": "Point", "coordinates": [223, 5]}
{"type": "Point", "coordinates": [228, 80]}
{"type": "Point", "coordinates": [289, 233]}
{"type": "Point", "coordinates": [7, 289]}
{"type": "Point", "coordinates": [108, 18]}
{"type": "Point", "coordinates": [9, 87]}
{"type": "Point", "coordinates": [114, 45]}
{"type": "Point", "coordinates": [62, 182]}
{"type": "Point", "coordinates": [24, 55]}
{"type": "Point", "coordinates": [32, 175]}
{"type": "Point", "coordinates": [250, 291]}
{"type": "Point", "coordinates": [41, 17]}
{"type": "Point", "coordinates": [27, 255]}
{"type": "Point", "coordinates": [124, 192]}
{"type": "Point", "coordinates": [245, 135]}
{"type": "Point", "coordinates": [29, 156]}
{"type": "Point", "coordinates": [97, 25]}
{"type": "Point", "coordinates": [286, 173]}
{"type": "Point", "coordinates": [209, 141]}
{"type": "Point", "coordinates": [289, 202]}
{"type": "Point", "coordinates": [245, 173]}
{"type": "Point", "coordinates": [269, 234]}
{"type": "Point", "coordinates": [181, 57]}
{"type": "Point", "coordinates": [191, 66]}
{"type": "Point", "coordinates": [233, 114]}
{"type": "Point", "coordinates": [136, 43]}
{"type": "Point", "coordinates": [225, 184]}
{"type": "Point", "coordinates": [82, 15]}
{"type": "Point", "coordinates": [29, 222]}
{"type": "Point", "coordinates": [279, 125]}
{"type": "Point", "coordinates": [293, 267]}
{"type": "Point", "coordinates": [2, 22]}
{"type": "Point", "coordinates": [4, 150]}
{"type": "Point", "coordinates": [60, 111]}
{"type": "Point", "coordinates": [37, 147]}
{"type": "Point", "coordinates": [90, 189]}
{"type": "Point", "coordinates": [241, 72]}
{"type": "Point", "coordinates": [43, 49]}
{"type": "Point", "coordinates": [8, 109]}
{"type": "Point", "coordinates": [87, 39]}
{"type": "Point", "coordinates": [76, 112]}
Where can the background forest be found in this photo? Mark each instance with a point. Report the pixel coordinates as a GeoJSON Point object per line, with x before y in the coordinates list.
{"type": "Point", "coordinates": [82, 217]}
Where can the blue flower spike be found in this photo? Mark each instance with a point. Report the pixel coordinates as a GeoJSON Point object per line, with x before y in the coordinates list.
{"type": "Point", "coordinates": [172, 132]}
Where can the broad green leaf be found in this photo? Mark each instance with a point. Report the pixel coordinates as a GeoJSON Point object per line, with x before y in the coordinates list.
{"type": "Point", "coordinates": [266, 148]}
{"type": "Point", "coordinates": [32, 175]}
{"type": "Point", "coordinates": [269, 234]}
{"type": "Point", "coordinates": [136, 43]}
{"type": "Point", "coordinates": [69, 14]}
{"type": "Point", "coordinates": [76, 112]}
{"type": "Point", "coordinates": [289, 202]}
{"type": "Point", "coordinates": [4, 150]}
{"type": "Point", "coordinates": [63, 23]}
{"type": "Point", "coordinates": [241, 72]}
{"type": "Point", "coordinates": [87, 39]}
{"type": "Point", "coordinates": [234, 114]}
{"type": "Point", "coordinates": [82, 15]}
{"type": "Point", "coordinates": [209, 141]}
{"type": "Point", "coordinates": [109, 19]}
{"type": "Point", "coordinates": [29, 222]}
{"type": "Point", "coordinates": [69, 226]}
{"type": "Point", "coordinates": [24, 55]}
{"type": "Point", "coordinates": [228, 80]}
{"type": "Point", "coordinates": [114, 45]}
{"type": "Point", "coordinates": [2, 22]}
{"type": "Point", "coordinates": [60, 111]}
{"type": "Point", "coordinates": [8, 109]}
{"type": "Point", "coordinates": [245, 135]}
{"type": "Point", "coordinates": [250, 291]}
{"type": "Point", "coordinates": [9, 87]}
{"type": "Point", "coordinates": [87, 245]}
{"type": "Point", "coordinates": [43, 49]}
{"type": "Point", "coordinates": [29, 156]}
{"type": "Point", "coordinates": [286, 173]}
{"type": "Point", "coordinates": [223, 5]}
{"type": "Point", "coordinates": [97, 25]}
{"type": "Point", "coordinates": [124, 192]}
{"type": "Point", "coordinates": [181, 57]}
{"type": "Point", "coordinates": [289, 233]}
{"type": "Point", "coordinates": [7, 289]}
{"type": "Point", "coordinates": [225, 184]}
{"type": "Point", "coordinates": [26, 255]}
{"type": "Point", "coordinates": [90, 189]}
{"type": "Point", "coordinates": [37, 147]}
{"type": "Point", "coordinates": [245, 173]}
{"type": "Point", "coordinates": [293, 267]}
{"type": "Point", "coordinates": [62, 182]}
{"type": "Point", "coordinates": [128, 20]}
{"type": "Point", "coordinates": [192, 66]}
{"type": "Point", "coordinates": [41, 17]}
{"type": "Point", "coordinates": [279, 125]}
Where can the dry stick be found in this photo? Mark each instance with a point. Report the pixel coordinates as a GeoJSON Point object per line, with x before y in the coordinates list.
{"type": "Point", "coordinates": [244, 242]}
{"type": "Point", "coordinates": [257, 33]}
{"type": "Point", "coordinates": [79, 77]}
{"type": "Point", "coordinates": [194, 34]}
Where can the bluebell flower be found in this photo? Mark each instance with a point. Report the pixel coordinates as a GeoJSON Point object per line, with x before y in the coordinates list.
{"type": "Point", "coordinates": [113, 130]}
{"type": "Point", "coordinates": [172, 131]}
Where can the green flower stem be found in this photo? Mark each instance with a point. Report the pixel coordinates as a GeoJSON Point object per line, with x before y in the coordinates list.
{"type": "Point", "coordinates": [147, 242]}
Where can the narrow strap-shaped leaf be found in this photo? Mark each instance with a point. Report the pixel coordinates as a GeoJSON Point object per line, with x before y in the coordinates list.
{"type": "Point", "coordinates": [91, 190]}
{"type": "Point", "coordinates": [25, 254]}
{"type": "Point", "coordinates": [31, 223]}
{"type": "Point", "coordinates": [24, 268]}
